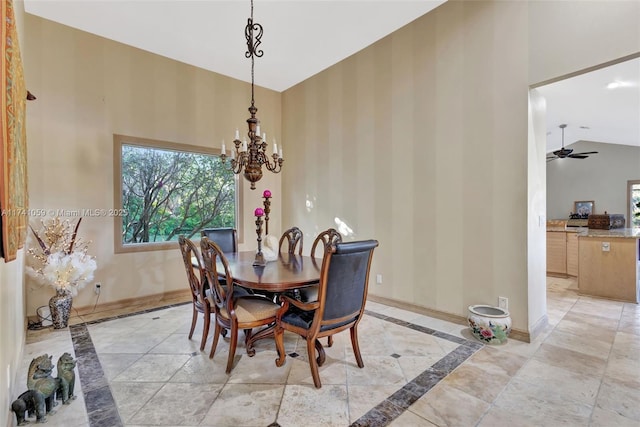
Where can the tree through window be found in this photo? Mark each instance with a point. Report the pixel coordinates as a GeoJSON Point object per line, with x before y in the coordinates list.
{"type": "Point", "coordinates": [167, 190]}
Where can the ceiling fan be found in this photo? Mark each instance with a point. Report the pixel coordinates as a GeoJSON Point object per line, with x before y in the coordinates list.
{"type": "Point", "coordinates": [568, 152]}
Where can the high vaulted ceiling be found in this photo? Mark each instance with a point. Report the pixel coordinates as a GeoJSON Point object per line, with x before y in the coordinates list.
{"type": "Point", "coordinates": [304, 37]}
{"type": "Point", "coordinates": [301, 37]}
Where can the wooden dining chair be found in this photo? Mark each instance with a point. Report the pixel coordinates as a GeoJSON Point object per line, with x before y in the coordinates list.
{"type": "Point", "coordinates": [322, 241]}
{"type": "Point", "coordinates": [232, 312]}
{"type": "Point", "coordinates": [328, 237]}
{"type": "Point", "coordinates": [226, 238]}
{"type": "Point", "coordinates": [344, 283]}
{"type": "Point", "coordinates": [294, 239]}
{"type": "Point", "coordinates": [195, 276]}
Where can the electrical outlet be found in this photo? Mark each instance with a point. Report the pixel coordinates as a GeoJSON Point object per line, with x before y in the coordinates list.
{"type": "Point", "coordinates": [606, 246]}
{"type": "Point", "coordinates": [97, 288]}
{"type": "Point", "coordinates": [379, 279]}
{"type": "Point", "coordinates": [503, 303]}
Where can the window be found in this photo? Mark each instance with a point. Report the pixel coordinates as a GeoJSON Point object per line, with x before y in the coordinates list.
{"type": "Point", "coordinates": [164, 189]}
{"type": "Point", "coordinates": [633, 203]}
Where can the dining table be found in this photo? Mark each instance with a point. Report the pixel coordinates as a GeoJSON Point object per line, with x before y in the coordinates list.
{"type": "Point", "coordinates": [288, 272]}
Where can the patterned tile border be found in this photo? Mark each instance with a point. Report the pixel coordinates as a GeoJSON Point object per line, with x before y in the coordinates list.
{"type": "Point", "coordinates": [393, 406]}
{"type": "Point", "coordinates": [102, 410]}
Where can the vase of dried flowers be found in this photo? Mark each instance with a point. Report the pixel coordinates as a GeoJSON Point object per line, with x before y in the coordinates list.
{"type": "Point", "coordinates": [60, 308]}
{"type": "Point", "coordinates": [62, 262]}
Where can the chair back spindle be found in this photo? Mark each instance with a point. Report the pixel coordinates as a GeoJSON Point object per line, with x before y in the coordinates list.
{"type": "Point", "coordinates": [294, 239]}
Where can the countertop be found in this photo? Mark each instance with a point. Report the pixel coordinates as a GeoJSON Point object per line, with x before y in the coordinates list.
{"type": "Point", "coordinates": [556, 225]}
{"type": "Point", "coordinates": [629, 233]}
{"type": "Point", "coordinates": [561, 225]}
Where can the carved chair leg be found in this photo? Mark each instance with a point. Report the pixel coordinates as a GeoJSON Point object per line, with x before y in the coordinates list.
{"type": "Point", "coordinates": [356, 346]}
{"type": "Point", "coordinates": [321, 355]}
{"type": "Point", "coordinates": [194, 319]}
{"type": "Point", "coordinates": [216, 334]}
{"type": "Point", "coordinates": [279, 338]}
{"type": "Point", "coordinates": [232, 347]}
{"type": "Point", "coordinates": [205, 329]}
{"type": "Point", "coordinates": [329, 340]}
{"type": "Point", "coordinates": [313, 363]}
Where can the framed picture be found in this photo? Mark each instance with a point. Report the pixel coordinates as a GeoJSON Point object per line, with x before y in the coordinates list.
{"type": "Point", "coordinates": [583, 207]}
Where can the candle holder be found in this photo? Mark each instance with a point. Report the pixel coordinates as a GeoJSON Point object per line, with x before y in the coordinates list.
{"type": "Point", "coordinates": [267, 209]}
{"type": "Point", "coordinates": [259, 261]}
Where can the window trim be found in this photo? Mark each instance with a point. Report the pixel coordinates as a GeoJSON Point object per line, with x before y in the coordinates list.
{"type": "Point", "coordinates": [630, 185]}
{"type": "Point", "coordinates": [118, 142]}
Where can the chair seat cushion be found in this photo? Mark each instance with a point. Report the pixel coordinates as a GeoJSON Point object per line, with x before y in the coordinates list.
{"type": "Point", "coordinates": [303, 319]}
{"type": "Point", "coordinates": [252, 308]}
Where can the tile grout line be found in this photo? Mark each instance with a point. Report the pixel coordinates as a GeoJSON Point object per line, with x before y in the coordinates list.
{"type": "Point", "coordinates": [393, 406]}
{"type": "Point", "coordinates": [102, 410]}
{"type": "Point", "coordinates": [100, 404]}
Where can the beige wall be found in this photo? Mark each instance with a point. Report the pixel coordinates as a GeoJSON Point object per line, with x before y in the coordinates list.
{"type": "Point", "coordinates": [89, 88]}
{"type": "Point", "coordinates": [12, 322]}
{"type": "Point", "coordinates": [413, 141]}
{"type": "Point", "coordinates": [420, 141]}
{"type": "Point", "coordinates": [569, 36]}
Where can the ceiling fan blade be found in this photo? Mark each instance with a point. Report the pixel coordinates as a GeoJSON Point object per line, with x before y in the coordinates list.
{"type": "Point", "coordinates": [550, 159]}
{"type": "Point", "coordinates": [588, 152]}
{"type": "Point", "coordinates": [577, 156]}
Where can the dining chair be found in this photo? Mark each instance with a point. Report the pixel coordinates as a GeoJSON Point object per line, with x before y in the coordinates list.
{"type": "Point", "coordinates": [226, 238]}
{"type": "Point", "coordinates": [194, 268]}
{"type": "Point", "coordinates": [294, 239]}
{"type": "Point", "coordinates": [328, 237]}
{"type": "Point", "coordinates": [344, 282]}
{"type": "Point", "coordinates": [323, 240]}
{"type": "Point", "coordinates": [232, 312]}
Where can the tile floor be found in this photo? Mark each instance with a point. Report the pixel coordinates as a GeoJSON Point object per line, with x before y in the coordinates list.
{"type": "Point", "coordinates": [141, 370]}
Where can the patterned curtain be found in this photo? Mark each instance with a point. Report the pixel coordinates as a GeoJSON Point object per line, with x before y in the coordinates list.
{"type": "Point", "coordinates": [13, 150]}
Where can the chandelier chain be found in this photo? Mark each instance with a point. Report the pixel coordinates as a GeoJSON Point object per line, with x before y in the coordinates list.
{"type": "Point", "coordinates": [253, 33]}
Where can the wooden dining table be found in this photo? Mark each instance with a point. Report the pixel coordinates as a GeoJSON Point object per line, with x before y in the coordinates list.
{"type": "Point", "coordinates": [287, 273]}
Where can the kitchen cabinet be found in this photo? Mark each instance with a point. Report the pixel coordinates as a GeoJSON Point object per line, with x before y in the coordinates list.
{"type": "Point", "coordinates": [562, 253]}
{"type": "Point", "coordinates": [609, 265]}
{"type": "Point", "coordinates": [557, 252]}
{"type": "Point", "coordinates": [572, 253]}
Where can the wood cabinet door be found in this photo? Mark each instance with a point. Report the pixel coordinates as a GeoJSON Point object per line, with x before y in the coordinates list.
{"type": "Point", "coordinates": [556, 252]}
{"type": "Point", "coordinates": [572, 254]}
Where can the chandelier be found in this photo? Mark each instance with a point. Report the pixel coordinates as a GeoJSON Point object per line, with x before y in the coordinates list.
{"type": "Point", "coordinates": [249, 156]}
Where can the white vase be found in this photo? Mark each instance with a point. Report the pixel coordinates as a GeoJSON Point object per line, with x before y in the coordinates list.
{"type": "Point", "coordinates": [490, 325]}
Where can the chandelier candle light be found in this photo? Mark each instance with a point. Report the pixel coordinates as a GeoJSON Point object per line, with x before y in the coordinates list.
{"type": "Point", "coordinates": [259, 261]}
{"type": "Point", "coordinates": [248, 157]}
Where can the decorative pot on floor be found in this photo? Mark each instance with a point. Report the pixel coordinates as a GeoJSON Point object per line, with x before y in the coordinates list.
{"type": "Point", "coordinates": [60, 307]}
{"type": "Point", "coordinates": [490, 325]}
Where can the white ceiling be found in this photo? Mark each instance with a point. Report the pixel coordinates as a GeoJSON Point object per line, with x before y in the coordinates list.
{"type": "Point", "coordinates": [611, 115]}
{"type": "Point", "coordinates": [304, 37]}
{"type": "Point", "coordinates": [301, 37]}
